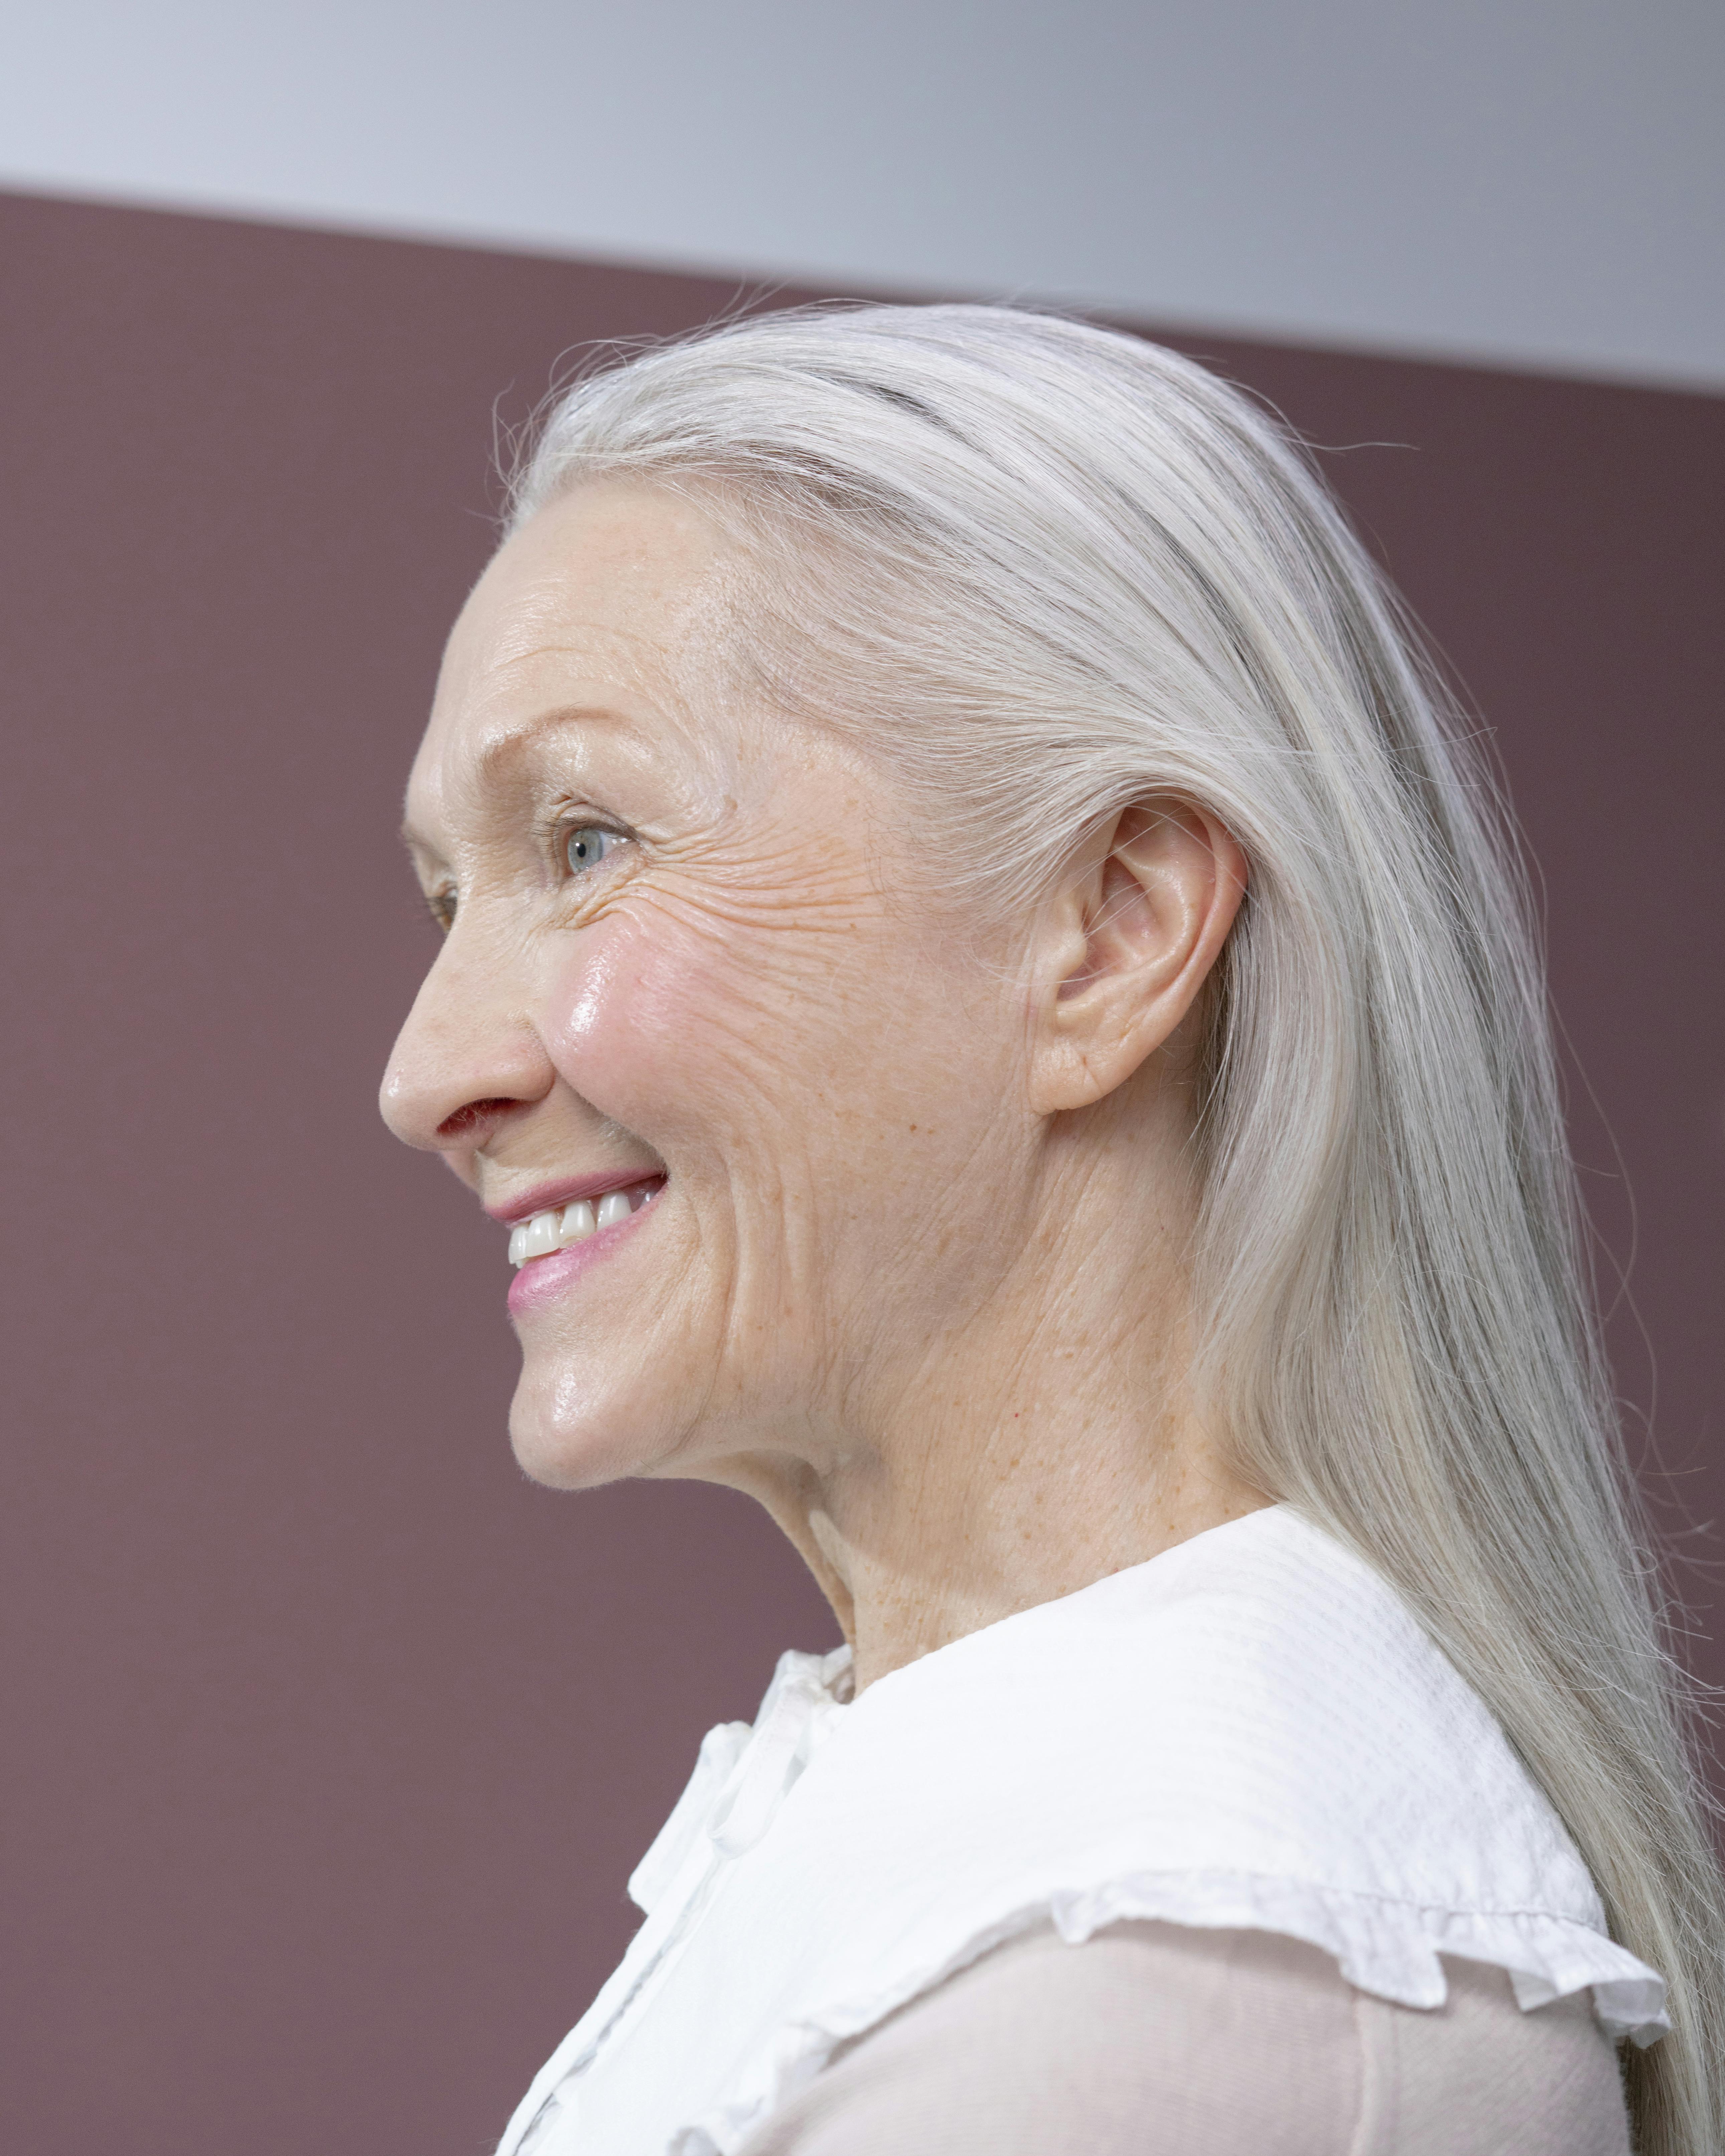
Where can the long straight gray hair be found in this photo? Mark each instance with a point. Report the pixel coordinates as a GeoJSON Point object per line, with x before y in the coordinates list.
{"type": "Point", "coordinates": [1047, 570]}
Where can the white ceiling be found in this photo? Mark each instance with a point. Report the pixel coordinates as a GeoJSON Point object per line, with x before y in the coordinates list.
{"type": "Point", "coordinates": [1532, 182]}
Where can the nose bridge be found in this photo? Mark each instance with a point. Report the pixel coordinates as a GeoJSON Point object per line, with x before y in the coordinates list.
{"type": "Point", "coordinates": [466, 1039]}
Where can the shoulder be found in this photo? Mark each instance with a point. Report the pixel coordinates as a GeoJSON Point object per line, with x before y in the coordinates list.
{"type": "Point", "coordinates": [1154, 2037]}
{"type": "Point", "coordinates": [1247, 1738]}
{"type": "Point", "coordinates": [1251, 1732]}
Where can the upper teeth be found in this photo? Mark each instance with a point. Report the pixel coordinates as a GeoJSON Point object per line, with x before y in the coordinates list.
{"type": "Point", "coordinates": [555, 1230]}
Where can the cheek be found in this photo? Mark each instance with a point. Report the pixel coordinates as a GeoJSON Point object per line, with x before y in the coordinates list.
{"type": "Point", "coordinates": [659, 1026]}
{"type": "Point", "coordinates": [784, 1046]}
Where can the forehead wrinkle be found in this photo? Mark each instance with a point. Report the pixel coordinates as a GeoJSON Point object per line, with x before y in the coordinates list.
{"type": "Point", "coordinates": [651, 612]}
{"type": "Point", "coordinates": [672, 667]}
{"type": "Point", "coordinates": [583, 642]}
{"type": "Point", "coordinates": [601, 653]}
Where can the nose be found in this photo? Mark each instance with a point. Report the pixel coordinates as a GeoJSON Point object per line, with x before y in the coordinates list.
{"type": "Point", "coordinates": [467, 1058]}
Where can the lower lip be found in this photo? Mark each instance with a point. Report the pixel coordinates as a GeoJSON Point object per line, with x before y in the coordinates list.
{"type": "Point", "coordinates": [541, 1279]}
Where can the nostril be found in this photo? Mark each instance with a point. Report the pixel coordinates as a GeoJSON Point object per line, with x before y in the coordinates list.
{"type": "Point", "coordinates": [474, 1116]}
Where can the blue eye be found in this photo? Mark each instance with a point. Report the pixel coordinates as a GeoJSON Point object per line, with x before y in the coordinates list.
{"type": "Point", "coordinates": [588, 845]}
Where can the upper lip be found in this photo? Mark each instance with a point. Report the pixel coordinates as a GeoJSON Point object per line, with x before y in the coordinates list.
{"type": "Point", "coordinates": [544, 1197]}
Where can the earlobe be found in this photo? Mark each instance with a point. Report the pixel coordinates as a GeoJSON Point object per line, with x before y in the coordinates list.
{"type": "Point", "coordinates": [1128, 942]}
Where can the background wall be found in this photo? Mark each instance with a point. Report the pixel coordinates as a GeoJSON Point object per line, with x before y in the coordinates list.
{"type": "Point", "coordinates": [328, 1742]}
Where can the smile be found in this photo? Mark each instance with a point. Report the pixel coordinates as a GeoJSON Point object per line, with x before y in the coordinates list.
{"type": "Point", "coordinates": [557, 1228]}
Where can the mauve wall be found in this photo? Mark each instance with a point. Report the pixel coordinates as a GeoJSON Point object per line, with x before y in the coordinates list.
{"type": "Point", "coordinates": [329, 1742]}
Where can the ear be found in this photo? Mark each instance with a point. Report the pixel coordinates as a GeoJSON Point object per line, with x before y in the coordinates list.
{"type": "Point", "coordinates": [1138, 922]}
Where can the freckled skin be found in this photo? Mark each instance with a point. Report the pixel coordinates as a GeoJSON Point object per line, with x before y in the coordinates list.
{"type": "Point", "coordinates": [914, 1280]}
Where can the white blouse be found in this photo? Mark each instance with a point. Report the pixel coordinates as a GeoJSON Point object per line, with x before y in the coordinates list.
{"type": "Point", "coordinates": [1249, 1732]}
{"type": "Point", "coordinates": [1165, 2039]}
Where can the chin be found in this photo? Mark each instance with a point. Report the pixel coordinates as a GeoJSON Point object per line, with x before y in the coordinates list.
{"type": "Point", "coordinates": [574, 1431]}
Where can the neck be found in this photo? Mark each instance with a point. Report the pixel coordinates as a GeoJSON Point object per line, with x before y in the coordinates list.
{"type": "Point", "coordinates": [1051, 1441]}
{"type": "Point", "coordinates": [1026, 1494]}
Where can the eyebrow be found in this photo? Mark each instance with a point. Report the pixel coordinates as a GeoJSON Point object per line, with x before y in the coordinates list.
{"type": "Point", "coordinates": [517, 742]}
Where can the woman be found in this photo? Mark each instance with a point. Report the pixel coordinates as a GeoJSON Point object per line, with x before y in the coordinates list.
{"type": "Point", "coordinates": [992, 1004]}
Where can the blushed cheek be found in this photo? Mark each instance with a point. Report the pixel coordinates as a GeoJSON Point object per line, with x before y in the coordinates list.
{"type": "Point", "coordinates": [632, 1024]}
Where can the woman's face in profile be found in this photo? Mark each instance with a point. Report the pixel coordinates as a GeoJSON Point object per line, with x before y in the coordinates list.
{"type": "Point", "coordinates": [697, 976]}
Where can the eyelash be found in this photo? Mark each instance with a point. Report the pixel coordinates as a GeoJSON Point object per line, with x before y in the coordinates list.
{"type": "Point", "coordinates": [565, 826]}
{"type": "Point", "coordinates": [559, 831]}
{"type": "Point", "coordinates": [555, 834]}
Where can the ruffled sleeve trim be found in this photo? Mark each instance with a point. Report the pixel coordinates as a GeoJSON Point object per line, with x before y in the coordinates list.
{"type": "Point", "coordinates": [1390, 1949]}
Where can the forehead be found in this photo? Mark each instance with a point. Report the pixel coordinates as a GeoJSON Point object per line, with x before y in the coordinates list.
{"type": "Point", "coordinates": [614, 596]}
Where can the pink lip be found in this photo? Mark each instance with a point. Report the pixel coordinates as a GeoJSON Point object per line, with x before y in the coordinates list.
{"type": "Point", "coordinates": [541, 1279]}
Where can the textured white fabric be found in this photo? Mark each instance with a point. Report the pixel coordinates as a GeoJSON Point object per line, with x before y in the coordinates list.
{"type": "Point", "coordinates": [1249, 1731]}
{"type": "Point", "coordinates": [1162, 2039]}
